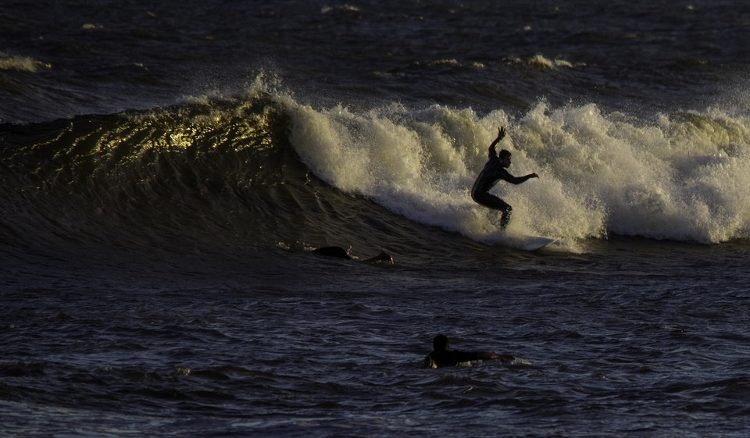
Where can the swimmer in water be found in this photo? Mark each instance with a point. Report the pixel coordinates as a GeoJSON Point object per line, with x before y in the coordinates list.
{"type": "Point", "coordinates": [339, 252]}
{"type": "Point", "coordinates": [443, 356]}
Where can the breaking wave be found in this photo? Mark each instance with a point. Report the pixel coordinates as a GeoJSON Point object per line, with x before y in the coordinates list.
{"type": "Point", "coordinates": [263, 168]}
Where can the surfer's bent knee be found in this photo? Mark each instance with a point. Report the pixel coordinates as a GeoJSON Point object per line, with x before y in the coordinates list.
{"type": "Point", "coordinates": [492, 202]}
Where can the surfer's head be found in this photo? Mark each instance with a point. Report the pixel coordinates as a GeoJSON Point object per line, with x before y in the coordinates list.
{"type": "Point", "coordinates": [440, 343]}
{"type": "Point", "coordinates": [504, 156]}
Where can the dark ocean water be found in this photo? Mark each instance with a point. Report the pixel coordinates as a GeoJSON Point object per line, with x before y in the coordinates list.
{"type": "Point", "coordinates": [166, 170]}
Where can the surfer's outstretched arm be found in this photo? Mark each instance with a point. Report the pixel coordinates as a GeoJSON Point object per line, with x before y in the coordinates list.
{"type": "Point", "coordinates": [518, 179]}
{"type": "Point", "coordinates": [500, 135]}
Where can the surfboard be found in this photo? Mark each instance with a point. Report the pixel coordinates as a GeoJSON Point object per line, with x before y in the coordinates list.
{"type": "Point", "coordinates": [533, 243]}
{"type": "Point", "coordinates": [517, 240]}
{"type": "Point", "coordinates": [526, 242]}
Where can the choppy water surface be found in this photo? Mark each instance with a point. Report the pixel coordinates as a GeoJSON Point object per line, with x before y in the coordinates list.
{"type": "Point", "coordinates": [606, 347]}
{"type": "Point", "coordinates": [165, 171]}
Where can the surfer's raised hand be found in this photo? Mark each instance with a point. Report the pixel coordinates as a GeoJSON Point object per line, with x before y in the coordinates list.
{"type": "Point", "coordinates": [500, 133]}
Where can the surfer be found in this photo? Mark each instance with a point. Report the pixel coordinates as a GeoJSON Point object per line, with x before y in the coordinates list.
{"type": "Point", "coordinates": [493, 171]}
{"type": "Point", "coordinates": [443, 356]}
{"type": "Point", "coordinates": [339, 252]}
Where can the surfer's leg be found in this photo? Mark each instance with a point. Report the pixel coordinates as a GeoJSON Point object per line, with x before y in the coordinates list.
{"type": "Point", "coordinates": [506, 216]}
{"type": "Point", "coordinates": [495, 203]}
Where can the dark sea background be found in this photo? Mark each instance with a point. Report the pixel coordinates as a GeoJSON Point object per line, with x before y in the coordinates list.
{"type": "Point", "coordinates": [166, 169]}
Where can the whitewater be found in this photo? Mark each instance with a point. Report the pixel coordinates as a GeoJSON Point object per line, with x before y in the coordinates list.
{"type": "Point", "coordinates": [681, 176]}
{"type": "Point", "coordinates": [168, 170]}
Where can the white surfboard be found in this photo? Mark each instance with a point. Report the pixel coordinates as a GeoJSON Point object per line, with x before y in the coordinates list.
{"type": "Point", "coordinates": [524, 242]}
{"type": "Point", "coordinates": [531, 243]}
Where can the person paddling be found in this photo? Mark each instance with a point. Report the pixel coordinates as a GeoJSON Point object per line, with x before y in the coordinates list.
{"type": "Point", "coordinates": [443, 356]}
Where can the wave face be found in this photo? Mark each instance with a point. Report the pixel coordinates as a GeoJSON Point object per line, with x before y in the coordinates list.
{"type": "Point", "coordinates": [213, 175]}
{"type": "Point", "coordinates": [201, 171]}
{"type": "Point", "coordinates": [254, 171]}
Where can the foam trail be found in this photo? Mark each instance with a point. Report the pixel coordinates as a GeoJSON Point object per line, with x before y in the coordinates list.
{"type": "Point", "coordinates": [684, 176]}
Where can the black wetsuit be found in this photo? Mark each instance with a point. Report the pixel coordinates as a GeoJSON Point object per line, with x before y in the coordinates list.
{"type": "Point", "coordinates": [493, 172]}
{"type": "Point", "coordinates": [339, 252]}
{"type": "Point", "coordinates": [450, 358]}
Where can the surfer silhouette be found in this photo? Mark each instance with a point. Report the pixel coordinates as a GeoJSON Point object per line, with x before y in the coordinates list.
{"type": "Point", "coordinates": [339, 252]}
{"type": "Point", "coordinates": [443, 356]}
{"type": "Point", "coordinates": [493, 171]}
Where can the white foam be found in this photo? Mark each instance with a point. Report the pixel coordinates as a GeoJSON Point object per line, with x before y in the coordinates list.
{"type": "Point", "coordinates": [22, 63]}
{"type": "Point", "coordinates": [681, 176]}
{"type": "Point", "coordinates": [543, 62]}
